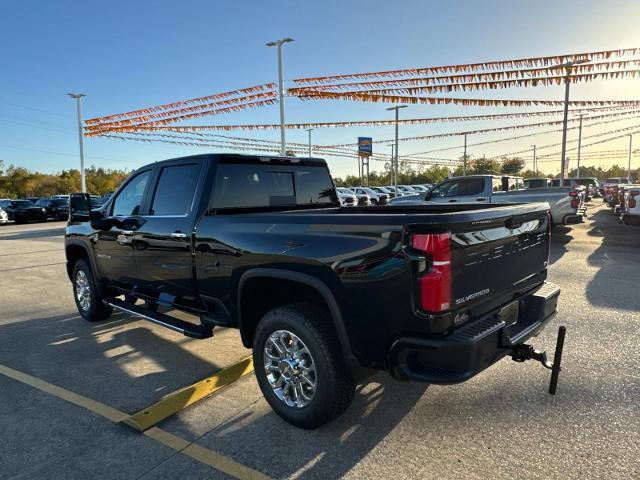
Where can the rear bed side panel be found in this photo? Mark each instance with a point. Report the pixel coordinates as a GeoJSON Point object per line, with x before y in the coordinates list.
{"type": "Point", "coordinates": [362, 265]}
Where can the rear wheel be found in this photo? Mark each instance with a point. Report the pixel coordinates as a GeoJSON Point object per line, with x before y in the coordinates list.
{"type": "Point", "coordinates": [85, 294]}
{"type": "Point", "coordinates": [300, 367]}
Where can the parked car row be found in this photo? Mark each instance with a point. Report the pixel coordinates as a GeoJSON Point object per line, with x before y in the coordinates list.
{"type": "Point", "coordinates": [36, 209]}
{"type": "Point", "coordinates": [624, 202]}
{"type": "Point", "coordinates": [378, 195]}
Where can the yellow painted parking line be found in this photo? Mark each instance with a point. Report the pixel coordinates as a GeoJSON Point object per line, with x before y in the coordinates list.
{"type": "Point", "coordinates": [101, 409]}
{"type": "Point", "coordinates": [180, 399]}
{"type": "Point", "coordinates": [176, 443]}
{"type": "Point", "coordinates": [204, 455]}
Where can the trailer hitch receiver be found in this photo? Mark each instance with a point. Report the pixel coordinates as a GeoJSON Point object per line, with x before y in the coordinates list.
{"type": "Point", "coordinates": [524, 352]}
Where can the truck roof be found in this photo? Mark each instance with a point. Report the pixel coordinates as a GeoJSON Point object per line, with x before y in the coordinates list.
{"type": "Point", "coordinates": [487, 176]}
{"type": "Point", "coordinates": [216, 157]}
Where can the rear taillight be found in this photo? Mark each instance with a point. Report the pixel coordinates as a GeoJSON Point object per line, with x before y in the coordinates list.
{"type": "Point", "coordinates": [435, 284]}
{"type": "Point", "coordinates": [632, 198]}
{"type": "Point", "coordinates": [575, 201]}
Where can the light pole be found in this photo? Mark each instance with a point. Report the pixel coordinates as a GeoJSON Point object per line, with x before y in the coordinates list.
{"type": "Point", "coordinates": [567, 82]}
{"type": "Point", "coordinates": [535, 165]}
{"type": "Point", "coordinates": [629, 167]}
{"type": "Point", "coordinates": [464, 158]}
{"type": "Point", "coordinates": [279, 43]}
{"type": "Point", "coordinates": [396, 108]}
{"type": "Point", "coordinates": [391, 169]}
{"type": "Point", "coordinates": [309, 130]}
{"type": "Point", "coordinates": [579, 146]}
{"type": "Point", "coordinates": [83, 182]}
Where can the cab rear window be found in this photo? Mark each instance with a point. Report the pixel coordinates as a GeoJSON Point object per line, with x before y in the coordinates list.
{"type": "Point", "coordinates": [266, 185]}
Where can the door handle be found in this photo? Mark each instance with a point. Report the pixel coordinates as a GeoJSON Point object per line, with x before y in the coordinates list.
{"type": "Point", "coordinates": [480, 199]}
{"type": "Point", "coordinates": [178, 235]}
{"type": "Point", "coordinates": [451, 201]}
{"type": "Point", "coordinates": [124, 237]}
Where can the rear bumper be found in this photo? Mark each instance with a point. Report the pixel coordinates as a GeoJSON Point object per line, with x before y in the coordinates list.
{"type": "Point", "coordinates": [470, 349]}
{"type": "Point", "coordinates": [577, 217]}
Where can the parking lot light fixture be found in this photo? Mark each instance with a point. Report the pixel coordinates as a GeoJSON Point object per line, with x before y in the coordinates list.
{"type": "Point", "coordinates": [278, 44]}
{"type": "Point", "coordinates": [309, 130]}
{"type": "Point", "coordinates": [394, 165]}
{"type": "Point", "coordinates": [629, 167]}
{"type": "Point", "coordinates": [579, 145]}
{"type": "Point", "coordinates": [77, 97]}
{"type": "Point", "coordinates": [567, 82]}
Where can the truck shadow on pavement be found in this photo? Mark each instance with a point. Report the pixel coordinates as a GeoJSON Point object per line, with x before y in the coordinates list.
{"type": "Point", "coordinates": [618, 261]}
{"type": "Point", "coordinates": [121, 362]}
{"type": "Point", "coordinates": [560, 237]}
{"type": "Point", "coordinates": [261, 439]}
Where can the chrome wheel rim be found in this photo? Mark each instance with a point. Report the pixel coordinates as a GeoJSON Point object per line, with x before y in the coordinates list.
{"type": "Point", "coordinates": [290, 369]}
{"type": "Point", "coordinates": [83, 291]}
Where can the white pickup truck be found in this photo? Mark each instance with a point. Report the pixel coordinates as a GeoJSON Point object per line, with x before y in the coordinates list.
{"type": "Point", "coordinates": [566, 203]}
{"type": "Point", "coordinates": [631, 214]}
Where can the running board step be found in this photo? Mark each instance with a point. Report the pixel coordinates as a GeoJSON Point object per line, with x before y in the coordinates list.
{"type": "Point", "coordinates": [188, 329]}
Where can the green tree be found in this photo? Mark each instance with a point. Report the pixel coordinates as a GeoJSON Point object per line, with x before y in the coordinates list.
{"type": "Point", "coordinates": [486, 166]}
{"type": "Point", "coordinates": [512, 166]}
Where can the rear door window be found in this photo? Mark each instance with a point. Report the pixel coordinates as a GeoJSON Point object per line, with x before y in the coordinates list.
{"type": "Point", "coordinates": [175, 190]}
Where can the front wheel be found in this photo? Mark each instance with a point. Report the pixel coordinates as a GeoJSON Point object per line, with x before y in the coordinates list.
{"type": "Point", "coordinates": [300, 367]}
{"type": "Point", "coordinates": [85, 294]}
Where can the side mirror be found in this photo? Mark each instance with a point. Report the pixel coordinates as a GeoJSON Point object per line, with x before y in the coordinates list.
{"type": "Point", "coordinates": [427, 196]}
{"type": "Point", "coordinates": [79, 207]}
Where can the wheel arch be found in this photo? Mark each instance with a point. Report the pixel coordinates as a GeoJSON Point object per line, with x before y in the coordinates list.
{"type": "Point", "coordinates": [247, 322]}
{"type": "Point", "coordinates": [77, 250]}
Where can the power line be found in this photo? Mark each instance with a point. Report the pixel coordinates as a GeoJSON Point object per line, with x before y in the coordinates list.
{"type": "Point", "coordinates": [58, 153]}
{"type": "Point", "coordinates": [48, 112]}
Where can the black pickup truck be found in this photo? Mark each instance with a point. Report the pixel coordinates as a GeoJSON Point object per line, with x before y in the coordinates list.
{"type": "Point", "coordinates": [322, 294]}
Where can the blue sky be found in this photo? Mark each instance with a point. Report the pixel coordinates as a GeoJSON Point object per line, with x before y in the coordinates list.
{"type": "Point", "coordinates": [129, 54]}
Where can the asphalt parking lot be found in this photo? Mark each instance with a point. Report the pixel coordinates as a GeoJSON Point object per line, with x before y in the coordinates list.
{"type": "Point", "coordinates": [501, 424]}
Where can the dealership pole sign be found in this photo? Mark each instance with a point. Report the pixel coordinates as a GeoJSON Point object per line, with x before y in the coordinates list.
{"type": "Point", "coordinates": [365, 146]}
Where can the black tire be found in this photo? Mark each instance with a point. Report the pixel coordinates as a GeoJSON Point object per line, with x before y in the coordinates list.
{"type": "Point", "coordinates": [93, 310]}
{"type": "Point", "coordinates": [334, 384]}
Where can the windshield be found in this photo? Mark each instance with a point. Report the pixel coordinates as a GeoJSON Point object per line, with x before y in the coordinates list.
{"type": "Point", "coordinates": [418, 188]}
{"type": "Point", "coordinates": [23, 203]}
{"type": "Point", "coordinates": [616, 180]}
{"type": "Point", "coordinates": [405, 188]}
{"type": "Point", "coordinates": [58, 202]}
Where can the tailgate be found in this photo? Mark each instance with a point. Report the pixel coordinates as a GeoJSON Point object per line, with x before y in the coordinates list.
{"type": "Point", "coordinates": [478, 255]}
{"type": "Point", "coordinates": [495, 256]}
